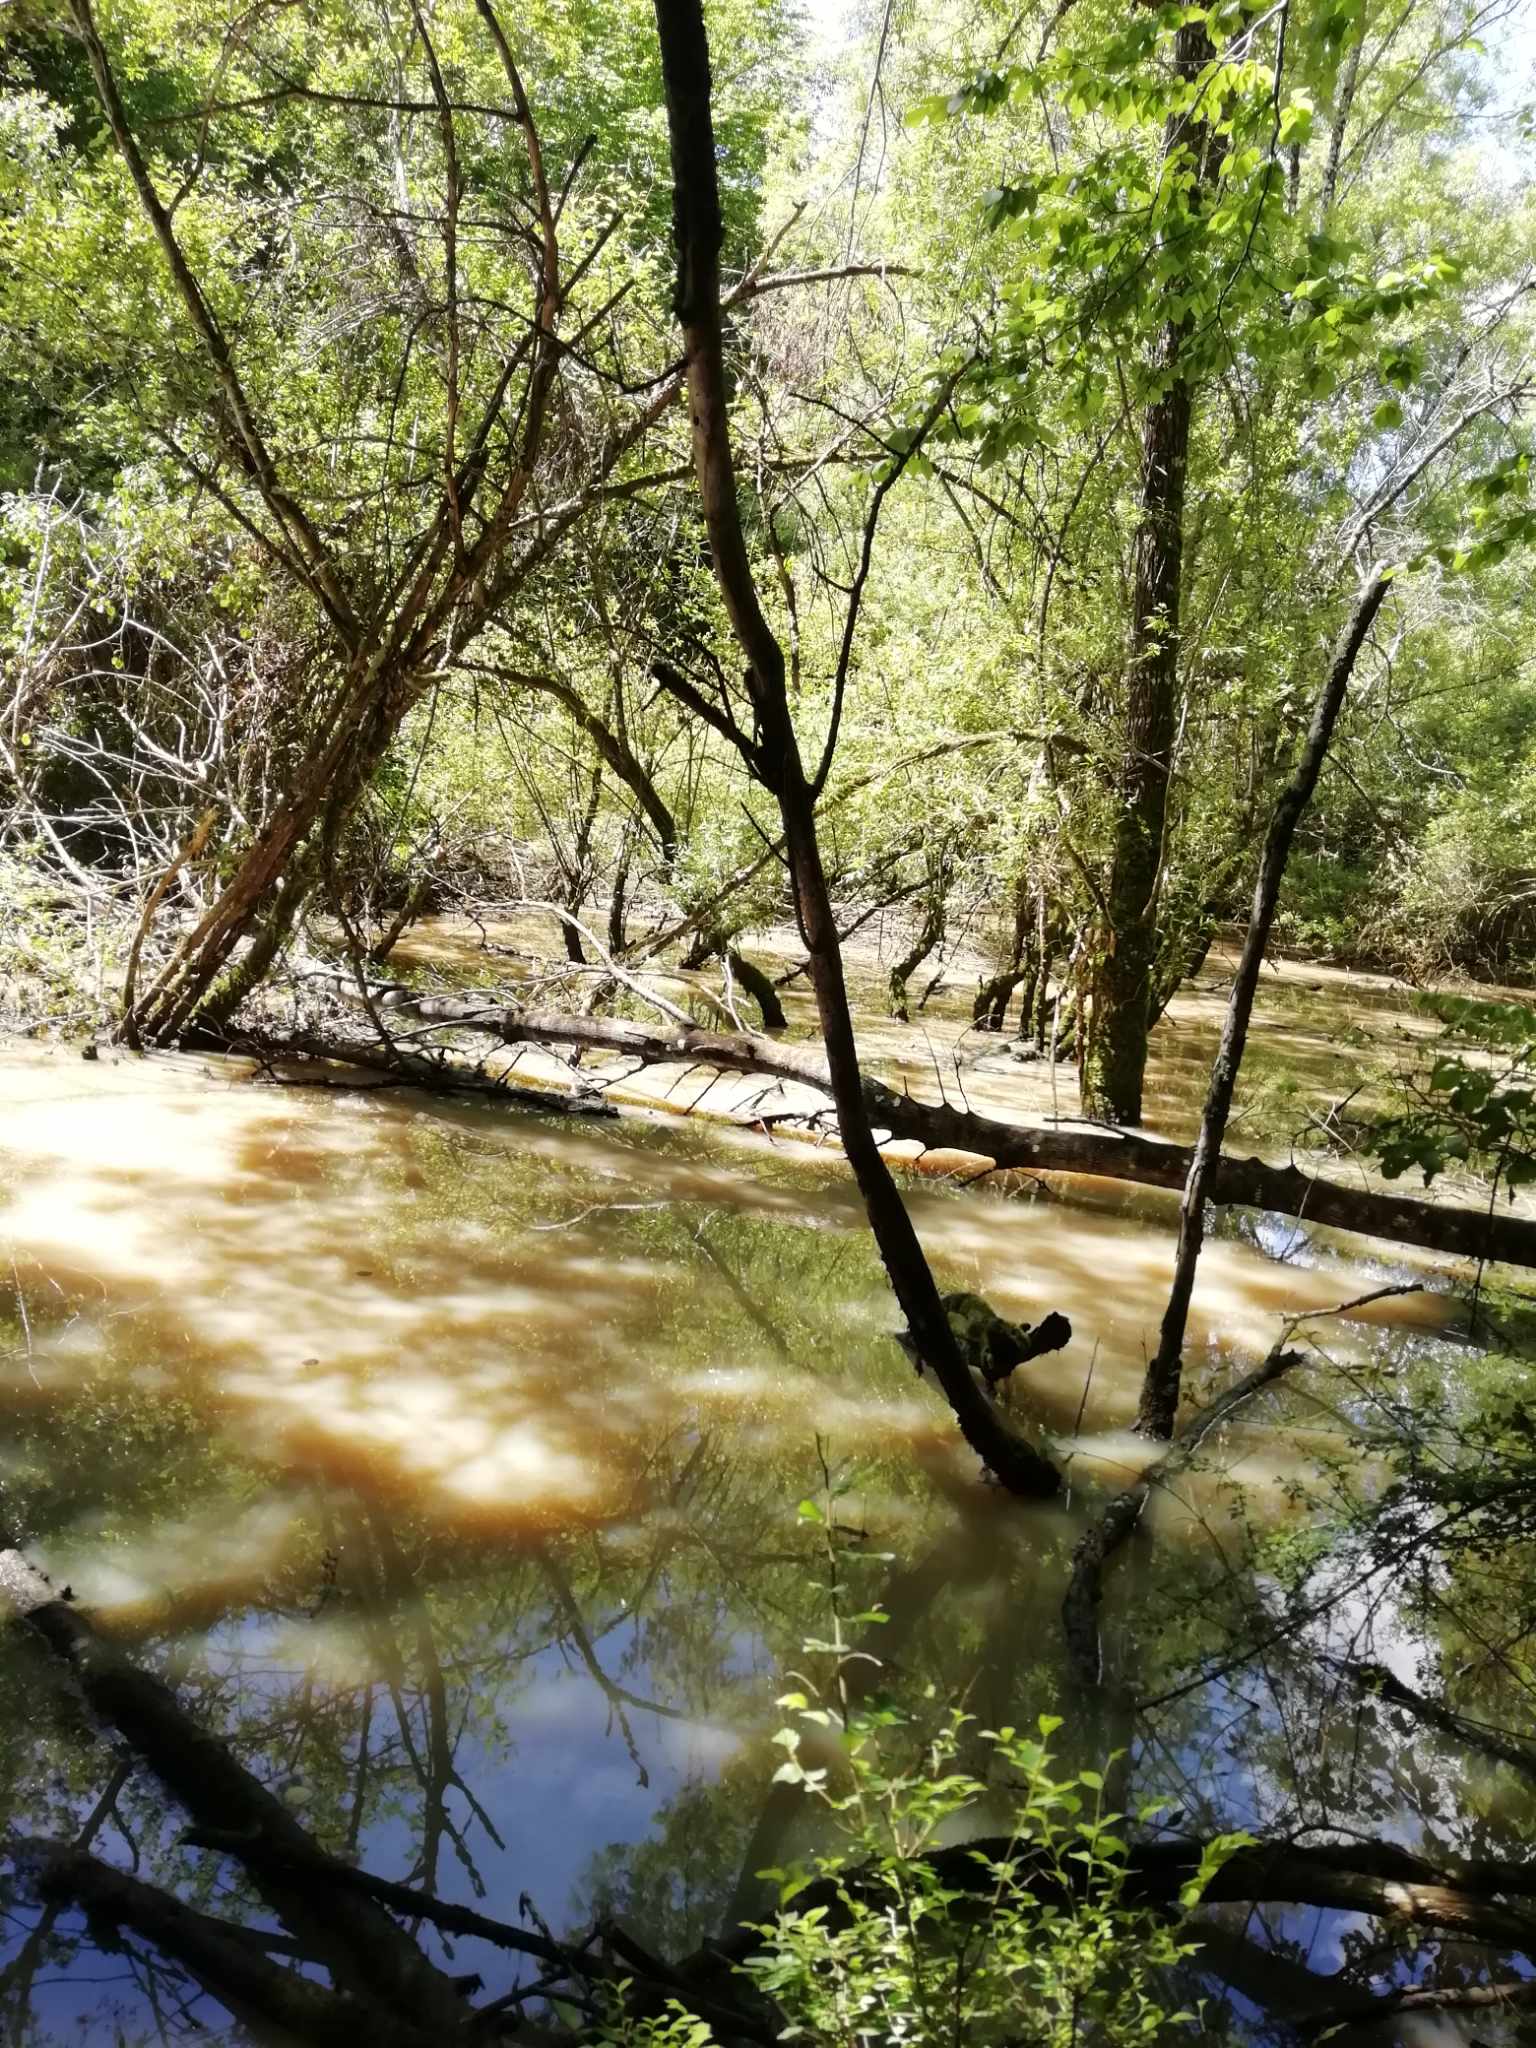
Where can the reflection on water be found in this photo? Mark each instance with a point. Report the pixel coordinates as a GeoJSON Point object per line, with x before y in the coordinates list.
{"type": "Point", "coordinates": [450, 1458]}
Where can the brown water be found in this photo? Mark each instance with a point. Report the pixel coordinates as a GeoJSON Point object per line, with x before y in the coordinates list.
{"type": "Point", "coordinates": [454, 1455]}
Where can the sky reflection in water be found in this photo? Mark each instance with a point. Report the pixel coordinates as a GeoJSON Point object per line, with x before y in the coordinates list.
{"type": "Point", "coordinates": [454, 1455]}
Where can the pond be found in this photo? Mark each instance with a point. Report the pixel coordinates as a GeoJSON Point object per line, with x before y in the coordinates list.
{"type": "Point", "coordinates": [450, 1458]}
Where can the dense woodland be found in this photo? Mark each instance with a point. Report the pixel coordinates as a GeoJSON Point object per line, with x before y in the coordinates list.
{"type": "Point", "coordinates": [812, 524]}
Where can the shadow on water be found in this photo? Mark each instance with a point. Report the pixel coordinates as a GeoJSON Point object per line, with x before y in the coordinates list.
{"type": "Point", "coordinates": [449, 1459]}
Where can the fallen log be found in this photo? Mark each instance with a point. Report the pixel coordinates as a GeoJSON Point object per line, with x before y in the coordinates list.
{"type": "Point", "coordinates": [1479, 1901]}
{"type": "Point", "coordinates": [1251, 1183]}
{"type": "Point", "coordinates": [342, 1917]}
{"type": "Point", "coordinates": [1317, 2007]}
{"type": "Point", "coordinates": [385, 1990]}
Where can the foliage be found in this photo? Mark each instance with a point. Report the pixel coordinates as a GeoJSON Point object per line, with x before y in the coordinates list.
{"type": "Point", "coordinates": [1034, 1941]}
{"type": "Point", "coordinates": [1475, 1105]}
{"type": "Point", "coordinates": [1335, 328]}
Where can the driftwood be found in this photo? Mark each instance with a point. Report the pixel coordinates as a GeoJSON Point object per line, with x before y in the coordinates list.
{"type": "Point", "coordinates": [1037, 1148]}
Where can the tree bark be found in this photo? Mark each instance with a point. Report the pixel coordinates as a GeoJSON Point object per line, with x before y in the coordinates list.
{"type": "Point", "coordinates": [1115, 1045]}
{"type": "Point", "coordinates": [772, 753]}
{"type": "Point", "coordinates": [1160, 1388]}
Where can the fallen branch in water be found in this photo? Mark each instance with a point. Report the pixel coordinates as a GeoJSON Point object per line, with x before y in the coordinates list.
{"type": "Point", "coordinates": [227, 1960]}
{"type": "Point", "coordinates": [1080, 1607]}
{"type": "Point", "coordinates": [1113, 1155]}
{"type": "Point", "coordinates": [340, 1909]}
{"type": "Point", "coordinates": [386, 1990]}
{"type": "Point", "coordinates": [1375, 1878]}
{"type": "Point", "coordinates": [1519, 1752]}
{"type": "Point", "coordinates": [1370, 2007]}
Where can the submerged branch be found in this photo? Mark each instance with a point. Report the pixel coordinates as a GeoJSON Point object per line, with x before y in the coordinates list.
{"type": "Point", "coordinates": [1080, 1607]}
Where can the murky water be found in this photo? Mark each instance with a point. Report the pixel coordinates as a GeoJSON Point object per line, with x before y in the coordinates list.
{"type": "Point", "coordinates": [451, 1457]}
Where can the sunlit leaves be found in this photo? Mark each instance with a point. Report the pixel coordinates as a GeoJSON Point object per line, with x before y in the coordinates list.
{"type": "Point", "coordinates": [1167, 211]}
{"type": "Point", "coordinates": [1476, 1104]}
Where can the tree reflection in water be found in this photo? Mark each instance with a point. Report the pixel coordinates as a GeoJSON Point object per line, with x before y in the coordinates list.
{"type": "Point", "coordinates": [557, 1678]}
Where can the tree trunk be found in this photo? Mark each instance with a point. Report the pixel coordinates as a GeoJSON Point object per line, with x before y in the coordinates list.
{"type": "Point", "coordinates": [760, 988]}
{"type": "Point", "coordinates": [927, 938]}
{"type": "Point", "coordinates": [1160, 1389]}
{"type": "Point", "coordinates": [989, 1011]}
{"type": "Point", "coordinates": [772, 754]}
{"type": "Point", "coordinates": [1349, 80]}
{"type": "Point", "coordinates": [1115, 1044]}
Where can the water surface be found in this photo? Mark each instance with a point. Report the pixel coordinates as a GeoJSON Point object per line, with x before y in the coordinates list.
{"type": "Point", "coordinates": [450, 1456]}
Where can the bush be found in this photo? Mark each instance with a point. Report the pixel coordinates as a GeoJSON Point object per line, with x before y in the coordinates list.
{"type": "Point", "coordinates": [1025, 1940]}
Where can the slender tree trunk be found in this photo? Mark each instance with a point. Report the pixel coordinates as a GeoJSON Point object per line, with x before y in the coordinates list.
{"type": "Point", "coordinates": [773, 753]}
{"type": "Point", "coordinates": [1160, 1389]}
{"type": "Point", "coordinates": [617, 903]}
{"type": "Point", "coordinates": [990, 1009]}
{"type": "Point", "coordinates": [1115, 1045]}
{"type": "Point", "coordinates": [927, 938]}
{"type": "Point", "coordinates": [1039, 1023]}
{"type": "Point", "coordinates": [1349, 79]}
